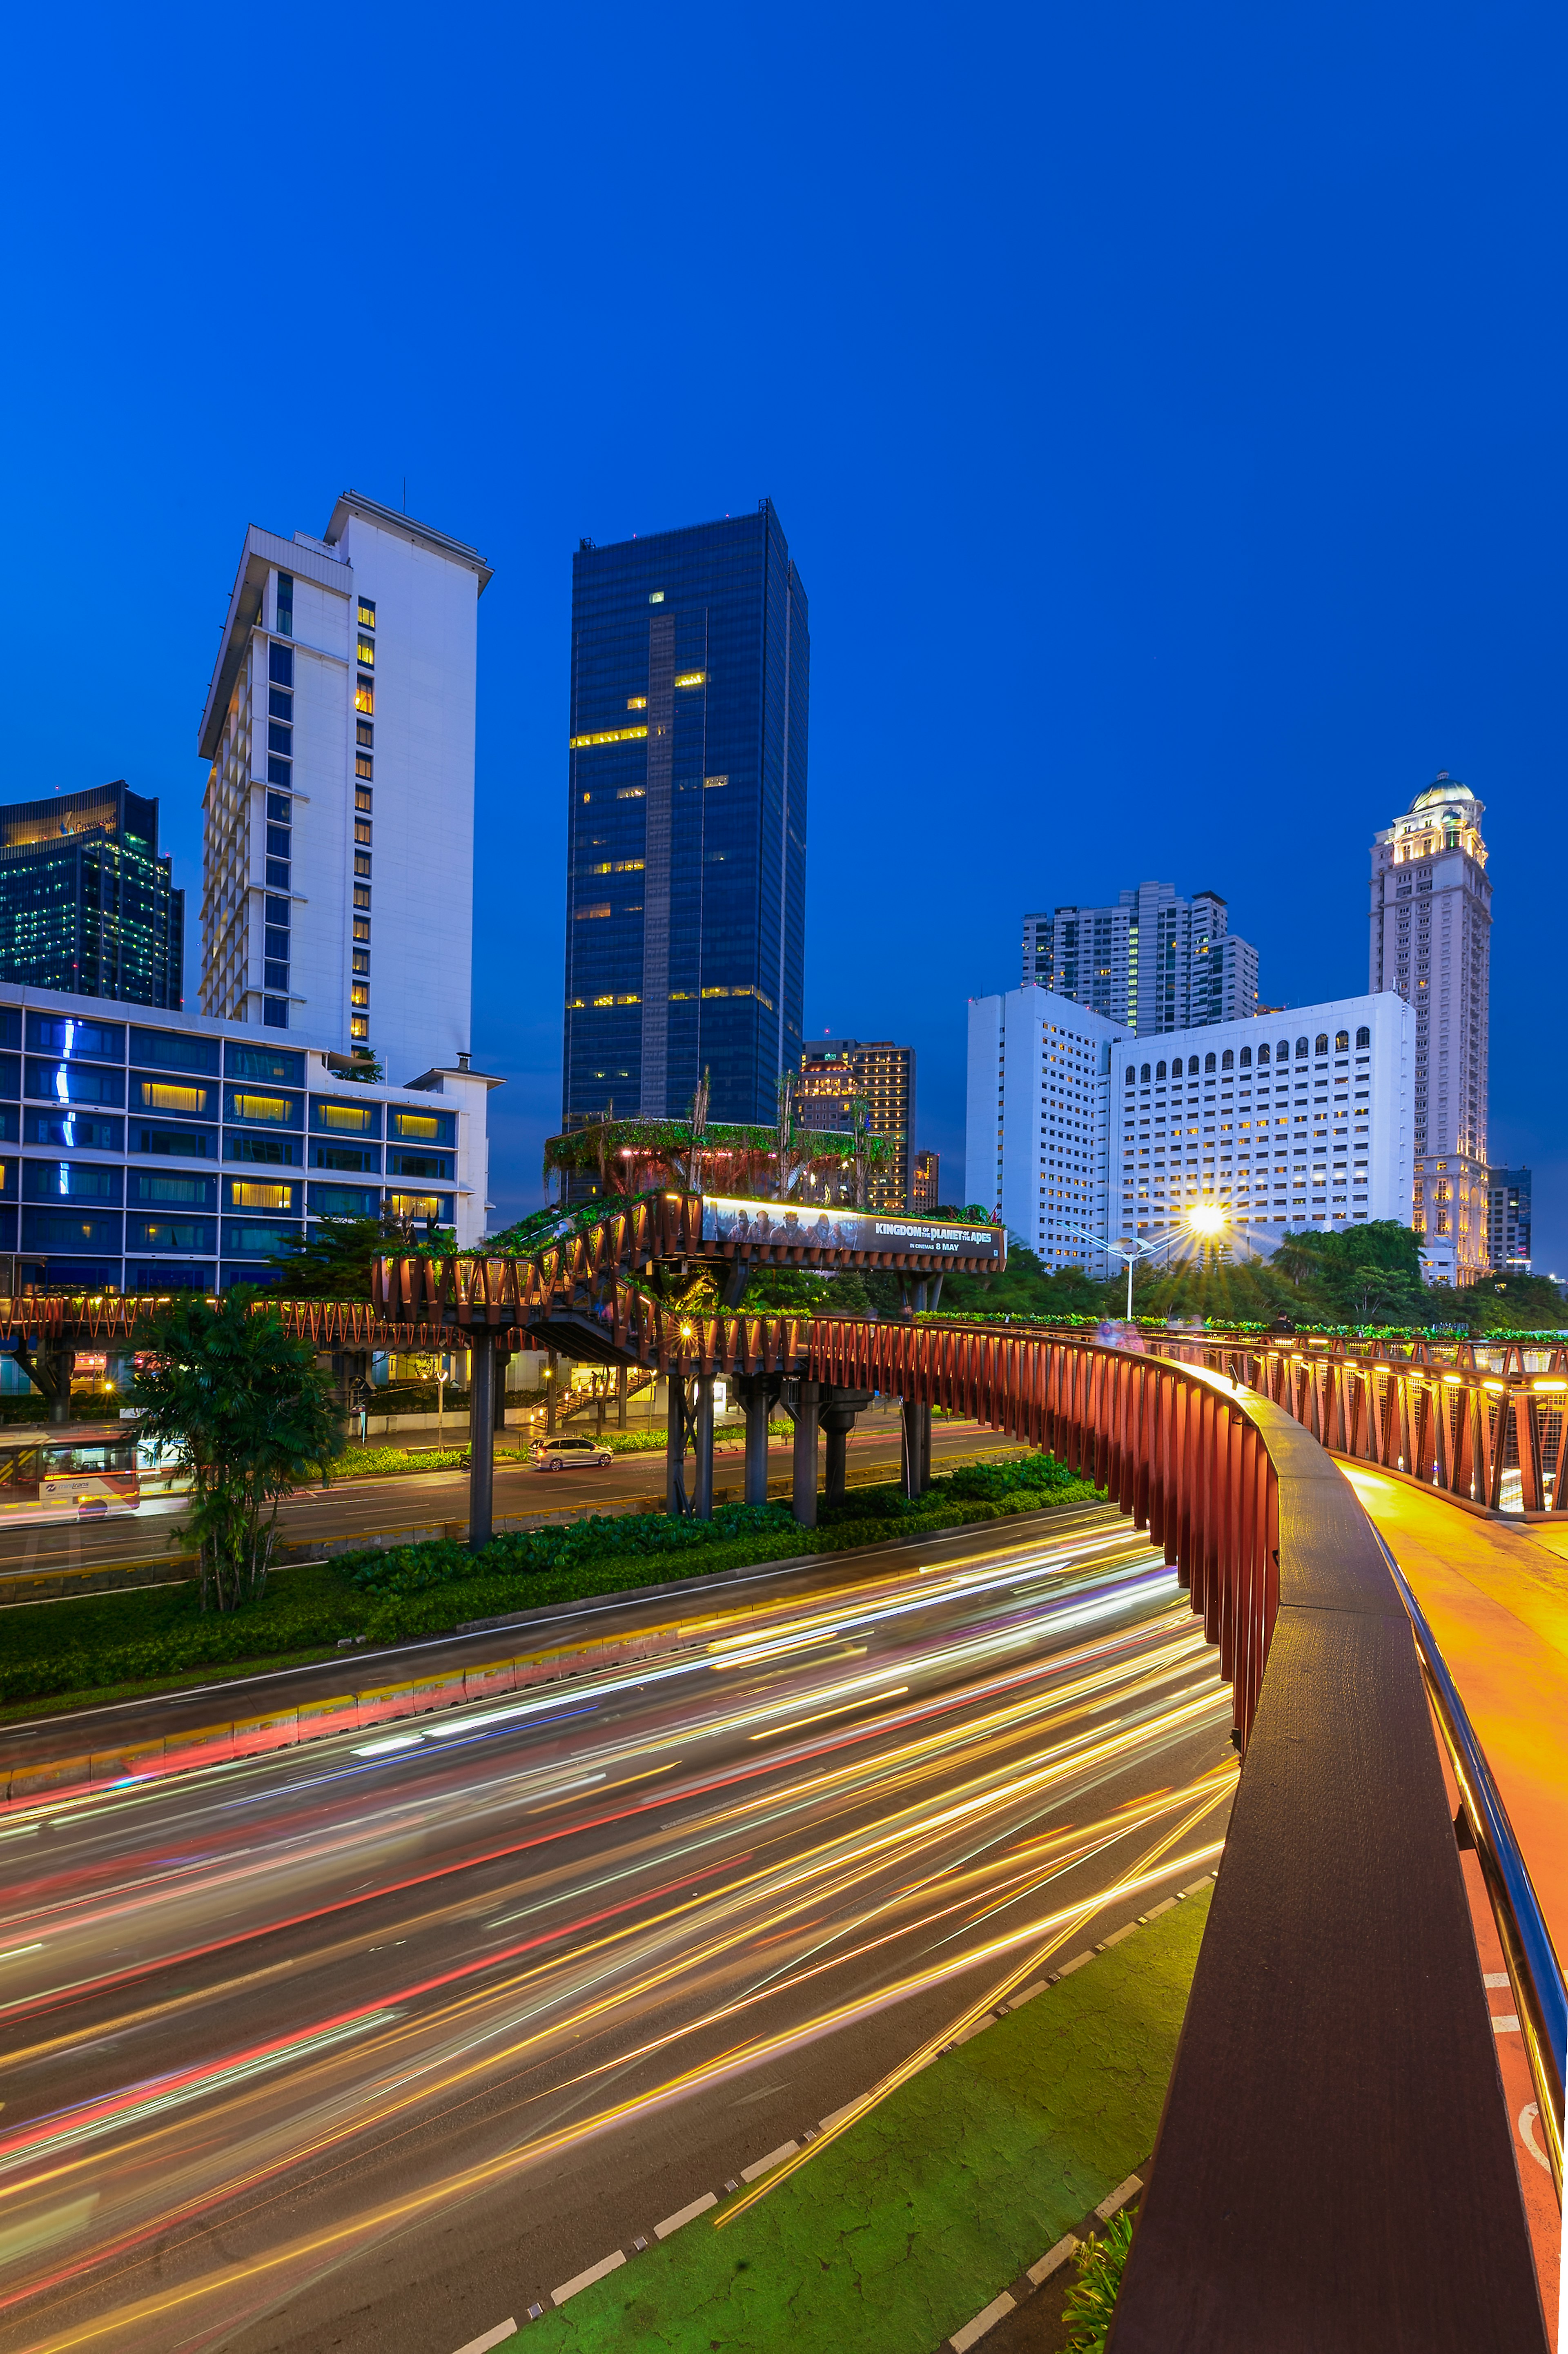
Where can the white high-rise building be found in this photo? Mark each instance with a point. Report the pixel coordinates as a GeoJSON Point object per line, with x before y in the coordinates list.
{"type": "Point", "coordinates": [1035, 1131]}
{"type": "Point", "coordinates": [1152, 963]}
{"type": "Point", "coordinates": [1431, 943]}
{"type": "Point", "coordinates": [1078, 1131]}
{"type": "Point", "coordinates": [338, 861]}
{"type": "Point", "coordinates": [1287, 1124]}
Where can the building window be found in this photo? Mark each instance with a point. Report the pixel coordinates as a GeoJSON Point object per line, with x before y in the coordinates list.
{"type": "Point", "coordinates": [280, 664]}
{"type": "Point", "coordinates": [364, 732]}
{"type": "Point", "coordinates": [365, 694]}
{"type": "Point", "coordinates": [285, 604]}
{"type": "Point", "coordinates": [1363, 1036]}
{"type": "Point", "coordinates": [362, 764]}
{"type": "Point", "coordinates": [362, 867]}
{"type": "Point", "coordinates": [367, 652]}
{"type": "Point", "coordinates": [280, 739]}
{"type": "Point", "coordinates": [362, 895]}
{"type": "Point", "coordinates": [359, 992]}
{"type": "Point", "coordinates": [280, 702]}
{"type": "Point", "coordinates": [366, 613]}
{"type": "Point", "coordinates": [362, 799]}
{"type": "Point", "coordinates": [249, 1195]}
{"type": "Point", "coordinates": [362, 832]}
{"type": "Point", "coordinates": [358, 1025]}
{"type": "Point", "coordinates": [277, 875]}
{"type": "Point", "coordinates": [279, 772]}
{"type": "Point", "coordinates": [362, 927]}
{"type": "Point", "coordinates": [275, 1012]}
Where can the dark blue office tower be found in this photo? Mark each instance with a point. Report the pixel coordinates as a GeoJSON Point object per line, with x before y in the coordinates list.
{"type": "Point", "coordinates": [685, 896]}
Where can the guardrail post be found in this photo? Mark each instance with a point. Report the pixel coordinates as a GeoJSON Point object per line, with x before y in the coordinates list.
{"type": "Point", "coordinates": [481, 1435]}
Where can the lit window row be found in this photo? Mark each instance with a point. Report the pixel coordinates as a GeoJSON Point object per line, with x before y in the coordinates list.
{"type": "Point", "coordinates": [363, 760]}
{"type": "Point", "coordinates": [279, 860]}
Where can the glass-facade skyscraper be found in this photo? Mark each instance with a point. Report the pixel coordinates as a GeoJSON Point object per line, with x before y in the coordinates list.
{"type": "Point", "coordinates": [686, 878]}
{"type": "Point", "coordinates": [87, 905]}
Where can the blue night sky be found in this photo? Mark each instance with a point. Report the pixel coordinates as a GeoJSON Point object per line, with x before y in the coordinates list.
{"type": "Point", "coordinates": [1164, 408]}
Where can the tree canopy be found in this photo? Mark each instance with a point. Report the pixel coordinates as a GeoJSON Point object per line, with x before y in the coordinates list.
{"type": "Point", "coordinates": [250, 1416]}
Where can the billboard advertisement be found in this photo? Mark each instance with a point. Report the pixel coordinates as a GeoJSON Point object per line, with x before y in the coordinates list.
{"type": "Point", "coordinates": [834, 1227]}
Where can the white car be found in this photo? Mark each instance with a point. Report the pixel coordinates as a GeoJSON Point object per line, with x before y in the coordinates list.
{"type": "Point", "coordinates": [569, 1455]}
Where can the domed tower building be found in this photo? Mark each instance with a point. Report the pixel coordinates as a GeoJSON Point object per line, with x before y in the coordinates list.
{"type": "Point", "coordinates": [1431, 943]}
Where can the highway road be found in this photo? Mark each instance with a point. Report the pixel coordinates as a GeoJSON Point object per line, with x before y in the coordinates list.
{"type": "Point", "coordinates": [371, 2045]}
{"type": "Point", "coordinates": [427, 1498]}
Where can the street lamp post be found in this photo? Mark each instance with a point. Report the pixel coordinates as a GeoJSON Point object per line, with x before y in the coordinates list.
{"type": "Point", "coordinates": [1205, 1220]}
{"type": "Point", "coordinates": [1139, 1250]}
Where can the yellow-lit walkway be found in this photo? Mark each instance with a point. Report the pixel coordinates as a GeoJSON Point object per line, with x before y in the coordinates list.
{"type": "Point", "coordinates": [1497, 1597]}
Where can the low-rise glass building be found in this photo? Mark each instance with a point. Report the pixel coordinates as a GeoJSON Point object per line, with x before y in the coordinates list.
{"type": "Point", "coordinates": [173, 1151]}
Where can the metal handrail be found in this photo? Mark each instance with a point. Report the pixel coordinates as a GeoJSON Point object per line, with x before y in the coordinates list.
{"type": "Point", "coordinates": [1534, 1971]}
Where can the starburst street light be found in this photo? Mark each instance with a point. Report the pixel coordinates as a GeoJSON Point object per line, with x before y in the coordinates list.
{"type": "Point", "coordinates": [1205, 1222]}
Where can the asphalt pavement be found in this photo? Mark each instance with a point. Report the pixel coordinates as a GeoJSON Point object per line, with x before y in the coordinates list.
{"type": "Point", "coordinates": [373, 2044]}
{"type": "Point", "coordinates": [381, 1505]}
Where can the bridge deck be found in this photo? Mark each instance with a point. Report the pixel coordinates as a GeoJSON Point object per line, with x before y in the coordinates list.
{"type": "Point", "coordinates": [1497, 1600]}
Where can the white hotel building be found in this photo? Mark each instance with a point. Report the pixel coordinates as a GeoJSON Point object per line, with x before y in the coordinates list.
{"type": "Point", "coordinates": [1291, 1122]}
{"type": "Point", "coordinates": [337, 893]}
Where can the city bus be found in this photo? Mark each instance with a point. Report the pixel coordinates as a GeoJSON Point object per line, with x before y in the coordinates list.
{"type": "Point", "coordinates": [82, 1471]}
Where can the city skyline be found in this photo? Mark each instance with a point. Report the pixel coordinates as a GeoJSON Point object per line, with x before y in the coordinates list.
{"type": "Point", "coordinates": [1189, 931]}
{"type": "Point", "coordinates": [1211, 618]}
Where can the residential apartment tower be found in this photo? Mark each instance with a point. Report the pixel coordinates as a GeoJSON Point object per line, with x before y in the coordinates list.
{"type": "Point", "coordinates": [1152, 963]}
{"type": "Point", "coordinates": [836, 1074]}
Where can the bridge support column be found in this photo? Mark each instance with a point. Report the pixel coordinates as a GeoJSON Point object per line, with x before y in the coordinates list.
{"type": "Point", "coordinates": [703, 1428]}
{"type": "Point", "coordinates": [620, 1397]}
{"type": "Point", "coordinates": [675, 1446]}
{"type": "Point", "coordinates": [839, 1411]}
{"type": "Point", "coordinates": [553, 1375]}
{"type": "Point", "coordinates": [480, 1437]}
{"type": "Point", "coordinates": [50, 1371]}
{"type": "Point", "coordinates": [756, 1395]}
{"type": "Point", "coordinates": [834, 1435]}
{"type": "Point", "coordinates": [917, 1421]}
{"type": "Point", "coordinates": [807, 1397]}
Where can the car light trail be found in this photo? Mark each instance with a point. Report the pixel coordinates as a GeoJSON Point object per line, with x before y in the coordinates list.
{"type": "Point", "coordinates": [276, 1982]}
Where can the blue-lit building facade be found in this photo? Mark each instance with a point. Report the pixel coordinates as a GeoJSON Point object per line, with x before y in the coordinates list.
{"type": "Point", "coordinates": [685, 912]}
{"type": "Point", "coordinates": [171, 1151]}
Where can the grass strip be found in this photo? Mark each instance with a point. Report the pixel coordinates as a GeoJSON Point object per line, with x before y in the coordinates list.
{"type": "Point", "coordinates": [71, 1653]}
{"type": "Point", "coordinates": [908, 2226]}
